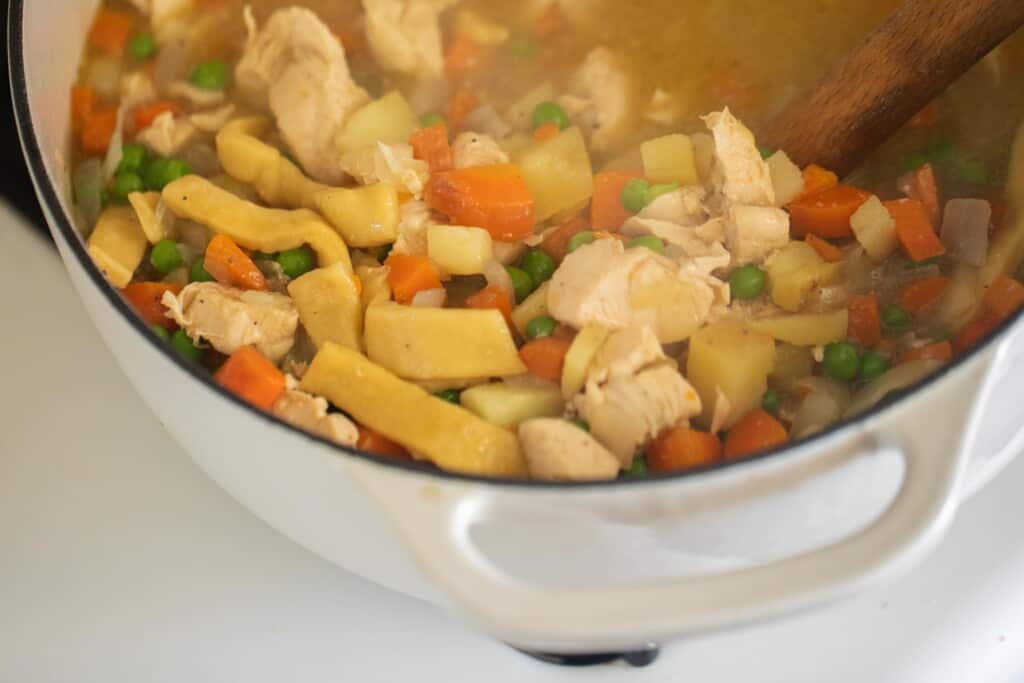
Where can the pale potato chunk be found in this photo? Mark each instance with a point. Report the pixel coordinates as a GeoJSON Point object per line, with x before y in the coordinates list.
{"type": "Point", "coordinates": [670, 159]}
{"type": "Point", "coordinates": [810, 329]}
{"type": "Point", "coordinates": [534, 306]}
{"type": "Point", "coordinates": [875, 229]}
{"type": "Point", "coordinates": [558, 173]}
{"type": "Point", "coordinates": [506, 405]}
{"type": "Point", "coordinates": [459, 250]}
{"type": "Point", "coordinates": [795, 272]}
{"type": "Point", "coordinates": [579, 357]}
{"type": "Point", "coordinates": [389, 119]}
{"type": "Point", "coordinates": [787, 179]}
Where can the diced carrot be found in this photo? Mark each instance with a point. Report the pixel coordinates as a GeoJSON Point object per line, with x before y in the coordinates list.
{"type": "Point", "coordinates": [928, 116]}
{"type": "Point", "coordinates": [464, 57]}
{"type": "Point", "coordinates": [606, 209]}
{"type": "Point", "coordinates": [147, 300]}
{"type": "Point", "coordinates": [1004, 297]}
{"type": "Point", "coordinates": [682, 448]}
{"type": "Point", "coordinates": [864, 326]}
{"type": "Point", "coordinates": [145, 114]}
{"type": "Point", "coordinates": [938, 351]}
{"type": "Point", "coordinates": [825, 249]}
{"type": "Point", "coordinates": [248, 374]}
{"type": "Point", "coordinates": [546, 131]}
{"type": "Point", "coordinates": [827, 213]}
{"type": "Point", "coordinates": [230, 266]}
{"type": "Point", "coordinates": [463, 102]}
{"type": "Point", "coordinates": [914, 229]}
{"type": "Point", "coordinates": [756, 431]}
{"type": "Point", "coordinates": [557, 241]}
{"type": "Point", "coordinates": [495, 198]}
{"type": "Point", "coordinates": [817, 179]}
{"type": "Point", "coordinates": [430, 144]}
{"type": "Point", "coordinates": [545, 357]}
{"type": "Point", "coordinates": [925, 189]}
{"type": "Point", "coordinates": [409, 274]}
{"type": "Point", "coordinates": [920, 295]}
{"type": "Point", "coordinates": [83, 103]}
{"type": "Point", "coordinates": [495, 297]}
{"type": "Point", "coordinates": [378, 444]}
{"type": "Point", "coordinates": [974, 331]}
{"type": "Point", "coordinates": [98, 130]}
{"type": "Point", "coordinates": [110, 31]}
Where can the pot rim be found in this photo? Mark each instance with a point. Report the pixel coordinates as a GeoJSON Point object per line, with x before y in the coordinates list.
{"type": "Point", "coordinates": [59, 219]}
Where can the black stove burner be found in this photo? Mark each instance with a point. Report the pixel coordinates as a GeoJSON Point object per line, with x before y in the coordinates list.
{"type": "Point", "coordinates": [637, 658]}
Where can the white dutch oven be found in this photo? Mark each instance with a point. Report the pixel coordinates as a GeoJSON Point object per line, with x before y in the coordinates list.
{"type": "Point", "coordinates": [569, 568]}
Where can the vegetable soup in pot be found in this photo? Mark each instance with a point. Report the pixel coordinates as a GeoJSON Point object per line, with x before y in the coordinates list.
{"type": "Point", "coordinates": [536, 239]}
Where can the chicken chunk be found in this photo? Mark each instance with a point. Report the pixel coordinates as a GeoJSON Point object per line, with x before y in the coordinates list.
{"type": "Point", "coordinates": [739, 174]}
{"type": "Point", "coordinates": [405, 35]}
{"type": "Point", "coordinates": [295, 67]}
{"type": "Point", "coordinates": [232, 318]}
{"type": "Point", "coordinates": [752, 233]}
{"type": "Point", "coordinates": [412, 229]}
{"type": "Point", "coordinates": [626, 412]}
{"type": "Point", "coordinates": [168, 134]}
{"type": "Point", "coordinates": [387, 163]}
{"type": "Point", "coordinates": [605, 87]}
{"type": "Point", "coordinates": [625, 353]}
{"type": "Point", "coordinates": [694, 241]}
{"type": "Point", "coordinates": [160, 11]}
{"type": "Point", "coordinates": [684, 206]}
{"type": "Point", "coordinates": [477, 149]}
{"type": "Point", "coordinates": [309, 412]}
{"type": "Point", "coordinates": [557, 450]}
{"type": "Point", "coordinates": [200, 97]}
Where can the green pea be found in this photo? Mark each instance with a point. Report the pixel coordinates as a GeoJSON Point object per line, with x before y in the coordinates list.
{"type": "Point", "coordinates": [453, 396]}
{"type": "Point", "coordinates": [197, 272]}
{"type": "Point", "coordinates": [872, 365]}
{"type": "Point", "coordinates": [747, 282]}
{"type": "Point", "coordinates": [639, 466]}
{"type": "Point", "coordinates": [432, 120]}
{"type": "Point", "coordinates": [161, 332]}
{"type": "Point", "coordinates": [634, 195]}
{"type": "Point", "coordinates": [142, 46]}
{"type": "Point", "coordinates": [541, 326]}
{"type": "Point", "coordinates": [550, 112]}
{"type": "Point", "coordinates": [165, 256]}
{"type": "Point", "coordinates": [972, 171]}
{"type": "Point", "coordinates": [182, 343]}
{"type": "Point", "coordinates": [655, 191]}
{"type": "Point", "coordinates": [538, 265]}
{"type": "Point", "coordinates": [647, 241]}
{"type": "Point", "coordinates": [125, 183]}
{"type": "Point", "coordinates": [841, 361]}
{"type": "Point", "coordinates": [581, 423]}
{"type": "Point", "coordinates": [522, 284]}
{"type": "Point", "coordinates": [578, 240]}
{"type": "Point", "coordinates": [211, 75]}
{"type": "Point", "coordinates": [894, 318]}
{"type": "Point", "coordinates": [914, 161]}
{"type": "Point", "coordinates": [296, 262]}
{"type": "Point", "coordinates": [943, 151]}
{"type": "Point", "coordinates": [159, 173]}
{"type": "Point", "coordinates": [770, 401]}
{"type": "Point", "coordinates": [133, 158]}
{"type": "Point", "coordinates": [766, 152]}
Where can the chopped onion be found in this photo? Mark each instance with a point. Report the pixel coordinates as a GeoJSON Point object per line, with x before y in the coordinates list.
{"type": "Point", "coordinates": [900, 377]}
{"type": "Point", "coordinates": [485, 119]}
{"type": "Point", "coordinates": [497, 276]}
{"type": "Point", "coordinates": [104, 76]}
{"type": "Point", "coordinates": [116, 148]}
{"type": "Point", "coordinates": [824, 402]}
{"type": "Point", "coordinates": [965, 224]}
{"type": "Point", "coordinates": [429, 298]}
{"type": "Point", "coordinates": [195, 235]}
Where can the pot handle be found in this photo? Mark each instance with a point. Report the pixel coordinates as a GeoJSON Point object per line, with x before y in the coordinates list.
{"type": "Point", "coordinates": [565, 619]}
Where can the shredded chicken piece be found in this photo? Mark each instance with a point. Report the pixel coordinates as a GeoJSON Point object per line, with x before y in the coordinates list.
{"type": "Point", "coordinates": [387, 163]}
{"type": "Point", "coordinates": [557, 450]}
{"type": "Point", "coordinates": [168, 134]}
{"type": "Point", "coordinates": [684, 206]}
{"type": "Point", "coordinates": [606, 89]}
{"type": "Point", "coordinates": [230, 318]}
{"type": "Point", "coordinates": [405, 35]}
{"type": "Point", "coordinates": [624, 353]}
{"type": "Point", "coordinates": [412, 228]}
{"type": "Point", "coordinates": [309, 412]}
{"type": "Point", "coordinates": [136, 87]}
{"type": "Point", "coordinates": [197, 96]}
{"type": "Point", "coordinates": [752, 233]}
{"type": "Point", "coordinates": [662, 109]}
{"type": "Point", "coordinates": [739, 175]}
{"type": "Point", "coordinates": [477, 149]}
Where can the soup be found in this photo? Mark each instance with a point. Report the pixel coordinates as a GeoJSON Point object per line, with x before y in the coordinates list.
{"type": "Point", "coordinates": [535, 239]}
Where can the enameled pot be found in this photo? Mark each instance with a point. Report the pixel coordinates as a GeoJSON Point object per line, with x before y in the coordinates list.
{"type": "Point", "coordinates": [569, 568]}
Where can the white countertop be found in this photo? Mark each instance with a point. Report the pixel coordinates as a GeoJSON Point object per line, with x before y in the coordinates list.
{"type": "Point", "coordinates": [122, 562]}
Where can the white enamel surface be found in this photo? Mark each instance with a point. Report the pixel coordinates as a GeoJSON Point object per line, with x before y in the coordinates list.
{"type": "Point", "coordinates": [309, 492]}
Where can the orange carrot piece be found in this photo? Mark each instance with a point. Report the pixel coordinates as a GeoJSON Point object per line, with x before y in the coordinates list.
{"type": "Point", "coordinates": [557, 241]}
{"type": "Point", "coordinates": [110, 31]}
{"type": "Point", "coordinates": [147, 300]}
{"type": "Point", "coordinates": [463, 102]}
{"type": "Point", "coordinates": [495, 198]}
{"type": "Point", "coordinates": [756, 431]}
{"type": "Point", "coordinates": [817, 179]}
{"type": "Point", "coordinates": [827, 214]}
{"type": "Point", "coordinates": [145, 114]}
{"type": "Point", "coordinates": [865, 324]}
{"type": "Point", "coordinates": [914, 229]}
{"type": "Point", "coordinates": [464, 57]}
{"type": "Point", "coordinates": [1004, 297]}
{"type": "Point", "coordinates": [98, 130]}
{"type": "Point", "coordinates": [546, 131]}
{"type": "Point", "coordinates": [825, 249]}
{"type": "Point", "coordinates": [83, 103]}
{"type": "Point", "coordinates": [974, 332]}
{"type": "Point", "coordinates": [928, 116]}
{"type": "Point", "coordinates": [249, 375]}
{"type": "Point", "coordinates": [378, 444]}
{"type": "Point", "coordinates": [495, 297]}
{"type": "Point", "coordinates": [430, 144]}
{"type": "Point", "coordinates": [606, 209]}
{"type": "Point", "coordinates": [230, 266]}
{"type": "Point", "coordinates": [920, 295]}
{"type": "Point", "coordinates": [545, 357]}
{"type": "Point", "coordinates": [683, 448]}
{"type": "Point", "coordinates": [942, 351]}
{"type": "Point", "coordinates": [408, 275]}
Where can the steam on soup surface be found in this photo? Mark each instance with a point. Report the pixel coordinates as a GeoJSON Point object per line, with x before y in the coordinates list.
{"type": "Point", "coordinates": [535, 239]}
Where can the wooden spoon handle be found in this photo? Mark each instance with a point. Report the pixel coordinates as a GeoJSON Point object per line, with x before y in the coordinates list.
{"type": "Point", "coordinates": [911, 58]}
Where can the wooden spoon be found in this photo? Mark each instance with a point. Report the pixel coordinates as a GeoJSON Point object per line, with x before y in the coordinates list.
{"type": "Point", "coordinates": [902, 66]}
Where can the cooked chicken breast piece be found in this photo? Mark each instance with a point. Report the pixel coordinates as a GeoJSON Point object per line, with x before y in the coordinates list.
{"type": "Point", "coordinates": [477, 149]}
{"type": "Point", "coordinates": [739, 174]}
{"type": "Point", "coordinates": [558, 450]}
{"type": "Point", "coordinates": [309, 412]}
{"type": "Point", "coordinates": [405, 35]}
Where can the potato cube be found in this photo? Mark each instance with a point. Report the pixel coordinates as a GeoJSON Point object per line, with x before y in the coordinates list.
{"type": "Point", "coordinates": [534, 306]}
{"type": "Point", "coordinates": [459, 250]}
{"type": "Point", "coordinates": [875, 229]}
{"type": "Point", "coordinates": [797, 270]}
{"type": "Point", "coordinates": [558, 173]}
{"type": "Point", "coordinates": [787, 180]}
{"type": "Point", "coordinates": [389, 119]}
{"type": "Point", "coordinates": [506, 405]}
{"type": "Point", "coordinates": [670, 159]}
